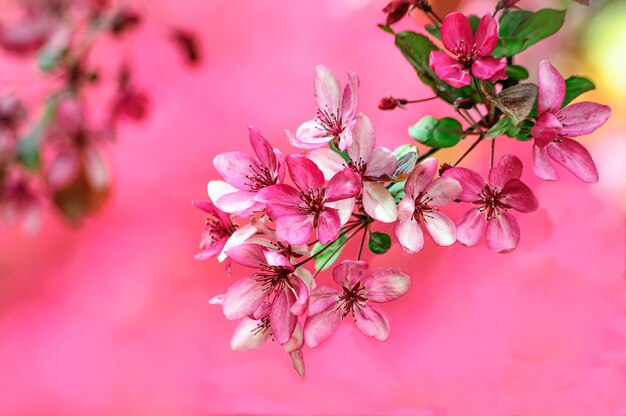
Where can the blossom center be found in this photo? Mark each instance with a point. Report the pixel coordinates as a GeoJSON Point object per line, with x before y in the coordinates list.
{"type": "Point", "coordinates": [352, 299]}
{"type": "Point", "coordinates": [491, 202]}
{"type": "Point", "coordinates": [465, 54]}
{"type": "Point", "coordinates": [330, 121]}
{"type": "Point", "coordinates": [216, 229]}
{"type": "Point", "coordinates": [422, 208]}
{"type": "Point", "coordinates": [314, 203]}
{"type": "Point", "coordinates": [274, 279]}
{"type": "Point", "coordinates": [358, 166]}
{"type": "Point", "coordinates": [260, 177]}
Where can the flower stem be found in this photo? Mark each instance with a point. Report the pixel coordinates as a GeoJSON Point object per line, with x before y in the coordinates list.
{"type": "Point", "coordinates": [365, 230]}
{"type": "Point", "coordinates": [331, 256]}
{"type": "Point", "coordinates": [480, 138]}
{"type": "Point", "coordinates": [493, 150]}
{"type": "Point", "coordinates": [428, 153]}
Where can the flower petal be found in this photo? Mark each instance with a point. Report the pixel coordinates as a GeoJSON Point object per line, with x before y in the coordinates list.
{"type": "Point", "coordinates": [456, 30]}
{"type": "Point", "coordinates": [410, 236]}
{"type": "Point", "coordinates": [297, 361]}
{"type": "Point", "coordinates": [344, 207]}
{"type": "Point", "coordinates": [542, 167]}
{"type": "Point", "coordinates": [449, 70]}
{"type": "Point", "coordinates": [378, 202]}
{"type": "Point", "coordinates": [350, 99]}
{"type": "Point", "coordinates": [304, 173]}
{"type": "Point", "coordinates": [382, 162]}
{"type": "Point", "coordinates": [421, 176]}
{"type": "Point", "coordinates": [470, 181]}
{"type": "Point", "coordinates": [509, 167]}
{"type": "Point", "coordinates": [235, 168]}
{"type": "Point", "coordinates": [294, 229]}
{"type": "Point", "coordinates": [281, 200]}
{"type": "Point", "coordinates": [489, 68]}
{"type": "Point", "coordinates": [346, 184]}
{"type": "Point", "coordinates": [406, 208]}
{"type": "Point", "coordinates": [441, 228]}
{"type": "Point", "coordinates": [486, 37]}
{"type": "Point", "coordinates": [546, 129]}
{"type": "Point", "coordinates": [243, 298]}
{"type": "Point", "coordinates": [301, 305]}
{"type": "Point", "coordinates": [503, 233]}
{"type": "Point", "coordinates": [236, 202]}
{"type": "Point", "coordinates": [551, 88]}
{"type": "Point", "coordinates": [443, 191]}
{"type": "Point", "coordinates": [327, 160]}
{"type": "Point", "coordinates": [247, 336]}
{"type": "Point", "coordinates": [319, 327]}
{"type": "Point", "coordinates": [327, 89]}
{"type": "Point", "coordinates": [241, 235]}
{"type": "Point", "coordinates": [349, 273]}
{"type": "Point", "coordinates": [470, 227]}
{"type": "Point", "coordinates": [363, 140]}
{"type": "Point", "coordinates": [262, 148]}
{"type": "Point", "coordinates": [250, 255]}
{"type": "Point", "coordinates": [328, 226]}
{"type": "Point", "coordinates": [519, 196]}
{"type": "Point", "coordinates": [385, 285]}
{"type": "Point", "coordinates": [310, 135]}
{"type": "Point", "coordinates": [372, 322]}
{"type": "Point", "coordinates": [321, 299]}
{"type": "Point", "coordinates": [583, 118]}
{"type": "Point", "coordinates": [575, 158]}
{"type": "Point", "coordinates": [282, 321]}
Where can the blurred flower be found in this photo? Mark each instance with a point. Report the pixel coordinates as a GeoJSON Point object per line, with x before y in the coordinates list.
{"type": "Point", "coordinates": [472, 54]}
{"type": "Point", "coordinates": [492, 200]}
{"type": "Point", "coordinates": [554, 126]}
{"type": "Point", "coordinates": [188, 45]}
{"type": "Point", "coordinates": [423, 196]}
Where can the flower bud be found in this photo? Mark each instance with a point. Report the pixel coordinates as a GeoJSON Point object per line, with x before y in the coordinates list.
{"type": "Point", "coordinates": [396, 10]}
{"type": "Point", "coordinates": [444, 167]}
{"type": "Point", "coordinates": [390, 103]}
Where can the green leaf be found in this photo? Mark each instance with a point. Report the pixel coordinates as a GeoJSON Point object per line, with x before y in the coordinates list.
{"type": "Point", "coordinates": [326, 258]}
{"type": "Point", "coordinates": [416, 48]}
{"type": "Point", "coordinates": [434, 30]}
{"type": "Point", "coordinates": [28, 153]}
{"type": "Point", "coordinates": [404, 149]}
{"type": "Point", "coordinates": [502, 127]}
{"type": "Point", "coordinates": [516, 72]}
{"type": "Point", "coordinates": [474, 22]}
{"type": "Point", "coordinates": [379, 243]}
{"type": "Point", "coordinates": [387, 29]}
{"type": "Point", "coordinates": [397, 190]}
{"type": "Point", "coordinates": [432, 132]}
{"type": "Point", "coordinates": [576, 86]}
{"type": "Point", "coordinates": [521, 29]}
{"type": "Point", "coordinates": [526, 129]}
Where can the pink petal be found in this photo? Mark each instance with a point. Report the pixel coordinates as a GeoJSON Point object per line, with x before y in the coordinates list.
{"type": "Point", "coordinates": [509, 167]}
{"type": "Point", "coordinates": [236, 202]}
{"type": "Point", "coordinates": [327, 89]}
{"type": "Point", "coordinates": [327, 160]}
{"type": "Point", "coordinates": [500, 74]}
{"type": "Point", "coordinates": [546, 129]}
{"type": "Point", "coordinates": [282, 200]}
{"type": "Point", "coordinates": [503, 233]}
{"type": "Point", "coordinates": [243, 298]}
{"type": "Point", "coordinates": [297, 361]}
{"type": "Point", "coordinates": [310, 135]}
{"type": "Point", "coordinates": [294, 229]}
{"type": "Point", "coordinates": [282, 321]}
{"type": "Point", "coordinates": [372, 322]}
{"type": "Point", "coordinates": [449, 70]}
{"type": "Point", "coordinates": [406, 208]}
{"type": "Point", "coordinates": [346, 184]}
{"type": "Point", "coordinates": [296, 341]}
{"type": "Point", "coordinates": [489, 68]}
{"type": "Point", "coordinates": [240, 236]}
{"type": "Point", "coordinates": [217, 189]}
{"type": "Point", "coordinates": [302, 304]}
{"type": "Point", "coordinates": [328, 226]}
{"type": "Point", "coordinates": [349, 273]}
{"type": "Point", "coordinates": [250, 255]}
{"type": "Point", "coordinates": [551, 88]}
{"type": "Point", "coordinates": [322, 298]}
{"type": "Point", "coordinates": [263, 149]}
{"type": "Point", "coordinates": [350, 97]}
{"type": "Point", "coordinates": [470, 181]}
{"type": "Point", "coordinates": [345, 137]}
{"type": "Point", "coordinates": [363, 140]}
{"type": "Point", "coordinates": [304, 173]}
{"type": "Point", "coordinates": [209, 247]}
{"type": "Point", "coordinates": [247, 336]}
{"type": "Point", "coordinates": [382, 162]}
{"type": "Point", "coordinates": [470, 227]}
{"type": "Point", "coordinates": [385, 285]}
{"type": "Point", "coordinates": [208, 207]}
{"type": "Point", "coordinates": [441, 228]}
{"type": "Point", "coordinates": [443, 191]}
{"type": "Point", "coordinates": [344, 207]}
{"type": "Point", "coordinates": [456, 30]}
{"type": "Point", "coordinates": [319, 327]}
{"type": "Point", "coordinates": [583, 118]}
{"type": "Point", "coordinates": [486, 35]}
{"type": "Point", "coordinates": [575, 158]}
{"type": "Point", "coordinates": [378, 202]}
{"type": "Point", "coordinates": [542, 167]}
{"type": "Point", "coordinates": [519, 196]}
{"type": "Point", "coordinates": [421, 176]}
{"type": "Point", "coordinates": [276, 259]}
{"type": "Point", "coordinates": [235, 168]}
{"type": "Point", "coordinates": [410, 236]}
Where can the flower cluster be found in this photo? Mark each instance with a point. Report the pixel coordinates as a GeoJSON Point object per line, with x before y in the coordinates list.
{"type": "Point", "coordinates": [56, 158]}
{"type": "Point", "coordinates": [289, 216]}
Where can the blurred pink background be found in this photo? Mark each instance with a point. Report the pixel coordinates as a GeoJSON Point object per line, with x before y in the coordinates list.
{"type": "Point", "coordinates": [113, 319]}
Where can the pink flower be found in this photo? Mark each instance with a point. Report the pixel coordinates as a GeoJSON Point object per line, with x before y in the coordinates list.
{"type": "Point", "coordinates": [370, 163]}
{"type": "Point", "coordinates": [336, 113]}
{"type": "Point", "coordinates": [219, 234]}
{"type": "Point", "coordinates": [244, 176]}
{"type": "Point", "coordinates": [19, 205]}
{"type": "Point", "coordinates": [297, 212]}
{"type": "Point", "coordinates": [472, 54]}
{"type": "Point", "coordinates": [422, 197]}
{"type": "Point", "coordinates": [492, 200]}
{"type": "Point", "coordinates": [275, 291]}
{"type": "Point", "coordinates": [555, 126]}
{"type": "Point", "coordinates": [359, 290]}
